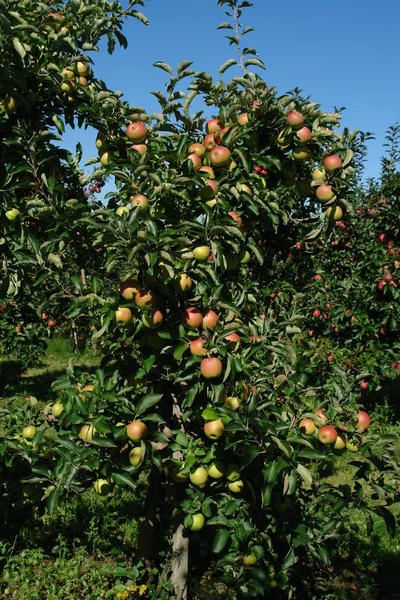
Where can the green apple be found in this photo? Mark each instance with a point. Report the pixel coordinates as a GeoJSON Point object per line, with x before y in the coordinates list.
{"type": "Point", "coordinates": [217, 469]}
{"type": "Point", "coordinates": [102, 487]}
{"type": "Point", "coordinates": [29, 432]}
{"type": "Point", "coordinates": [12, 214]}
{"type": "Point", "coordinates": [198, 522]}
{"type": "Point", "coordinates": [232, 472]}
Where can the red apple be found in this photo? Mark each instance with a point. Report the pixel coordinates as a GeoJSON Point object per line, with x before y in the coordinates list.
{"type": "Point", "coordinates": [192, 318]}
{"type": "Point", "coordinates": [327, 434]}
{"type": "Point", "coordinates": [123, 315]}
{"type": "Point", "coordinates": [197, 149]}
{"type": "Point", "coordinates": [209, 142]}
{"type": "Point", "coordinates": [211, 368]}
{"type": "Point", "coordinates": [140, 200]}
{"type": "Point", "coordinates": [137, 132]}
{"type": "Point", "coordinates": [321, 413]}
{"type": "Point", "coordinates": [196, 347]}
{"type": "Point", "coordinates": [236, 218]}
{"type": "Point", "coordinates": [307, 426]}
{"type": "Point", "coordinates": [129, 288]}
{"type": "Point", "coordinates": [213, 126]}
{"type": "Point", "coordinates": [295, 119]}
{"type": "Point", "coordinates": [332, 163]}
{"type": "Point", "coordinates": [233, 338]}
{"type": "Point", "coordinates": [209, 190]}
{"type": "Point", "coordinates": [145, 299]}
{"type": "Point", "coordinates": [304, 135]}
{"type": "Point", "coordinates": [195, 160]}
{"type": "Point", "coordinates": [210, 320]}
{"type": "Point", "coordinates": [220, 156]}
{"type": "Point", "coordinates": [153, 319]}
{"type": "Point", "coordinates": [364, 420]}
{"type": "Point", "coordinates": [324, 193]}
{"type": "Point", "coordinates": [208, 170]}
{"type": "Point", "coordinates": [141, 148]}
{"type": "Point", "coordinates": [137, 430]}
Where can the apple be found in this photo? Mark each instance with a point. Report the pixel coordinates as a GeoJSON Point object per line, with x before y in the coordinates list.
{"type": "Point", "coordinates": [87, 388]}
{"type": "Point", "coordinates": [196, 148]}
{"type": "Point", "coordinates": [307, 426]}
{"type": "Point", "coordinates": [214, 429]}
{"type": "Point", "coordinates": [232, 339]}
{"type": "Point", "coordinates": [145, 299]}
{"type": "Point", "coordinates": [364, 420]}
{"type": "Point", "coordinates": [220, 156]}
{"type": "Point", "coordinates": [201, 253]}
{"type": "Point", "coordinates": [123, 315]}
{"type": "Point", "coordinates": [236, 218]}
{"type": "Point", "coordinates": [332, 163]}
{"type": "Point", "coordinates": [57, 409]}
{"type": "Point", "coordinates": [136, 132]}
{"type": "Point", "coordinates": [67, 86]}
{"type": "Point", "coordinates": [295, 119]}
{"type": "Point", "coordinates": [122, 210]}
{"type": "Point", "coordinates": [209, 142]}
{"type": "Point", "coordinates": [320, 412]}
{"type": "Point", "coordinates": [141, 148]}
{"type": "Point", "coordinates": [183, 283]}
{"type": "Point", "coordinates": [246, 188]}
{"type": "Point", "coordinates": [301, 153]}
{"type": "Point", "coordinates": [243, 118]}
{"type": "Point", "coordinates": [211, 368]}
{"type": "Point", "coordinates": [208, 170]}
{"type": "Point", "coordinates": [135, 456]}
{"type": "Point", "coordinates": [327, 434]}
{"type": "Point", "coordinates": [213, 126]}
{"type": "Point", "coordinates": [250, 559]}
{"type": "Point", "coordinates": [209, 190]}
{"type": "Point", "coordinates": [319, 174]}
{"type": "Point", "coordinates": [153, 319]}
{"type": "Point", "coordinates": [217, 469]}
{"type": "Point", "coordinates": [12, 214]}
{"type": "Point", "coordinates": [245, 257]}
{"type": "Point", "coordinates": [232, 472]}
{"type": "Point", "coordinates": [129, 288]}
{"type": "Point", "coordinates": [140, 200]}
{"type": "Point", "coordinates": [304, 135]}
{"type": "Point", "coordinates": [29, 432]}
{"type": "Point", "coordinates": [232, 402]}
{"type": "Point", "coordinates": [210, 320]}
{"type": "Point", "coordinates": [198, 522]}
{"type": "Point", "coordinates": [199, 476]}
{"type": "Point", "coordinates": [87, 432]}
{"type": "Point", "coordinates": [220, 134]}
{"type": "Point", "coordinates": [101, 142]}
{"type": "Point", "coordinates": [340, 442]}
{"type": "Point", "coordinates": [284, 140]}
{"type": "Point", "coordinates": [82, 81]}
{"type": "Point", "coordinates": [352, 446]}
{"type": "Point", "coordinates": [102, 487]}
{"type": "Point", "coordinates": [195, 160]}
{"type": "Point", "coordinates": [192, 318]}
{"type": "Point", "coordinates": [236, 486]}
{"type": "Point", "coordinates": [68, 73]}
{"type": "Point", "coordinates": [196, 347]}
{"type": "Point", "coordinates": [105, 158]}
{"type": "Point", "coordinates": [324, 193]}
{"type": "Point", "coordinates": [82, 68]}
{"type": "Point", "coordinates": [177, 474]}
{"type": "Point", "coordinates": [334, 212]}
{"type": "Point", "coordinates": [136, 431]}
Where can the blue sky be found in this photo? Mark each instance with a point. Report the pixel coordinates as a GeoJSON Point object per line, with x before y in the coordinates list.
{"type": "Point", "coordinates": [342, 53]}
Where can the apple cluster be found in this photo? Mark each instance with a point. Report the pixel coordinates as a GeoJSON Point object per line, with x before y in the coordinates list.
{"type": "Point", "coordinates": [336, 437]}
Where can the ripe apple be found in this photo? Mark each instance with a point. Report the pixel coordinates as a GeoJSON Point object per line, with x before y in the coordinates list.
{"type": "Point", "coordinates": [232, 402]}
{"type": "Point", "coordinates": [320, 412]}
{"type": "Point", "coordinates": [201, 253]}
{"type": "Point", "coordinates": [236, 486]}
{"type": "Point", "coordinates": [198, 522]}
{"type": "Point", "coordinates": [140, 200]}
{"type": "Point", "coordinates": [213, 126]}
{"type": "Point", "coordinates": [220, 134]}
{"type": "Point", "coordinates": [243, 118]}
{"type": "Point", "coordinates": [136, 132]}
{"type": "Point", "coordinates": [12, 214]}
{"type": "Point", "coordinates": [145, 299]}
{"type": "Point", "coordinates": [87, 432]}
{"type": "Point", "coordinates": [340, 442]}
{"type": "Point", "coordinates": [319, 174]}
{"type": "Point", "coordinates": [211, 368]}
{"type": "Point", "coordinates": [214, 429]}
{"type": "Point", "coordinates": [208, 170]}
{"type": "Point", "coordinates": [82, 68]}
{"type": "Point", "coordinates": [67, 73]}
{"type": "Point", "coordinates": [153, 319]}
{"type": "Point", "coordinates": [250, 559]}
{"type": "Point", "coordinates": [196, 347]}
{"type": "Point", "coordinates": [57, 409]}
{"type": "Point", "coordinates": [135, 456]}
{"type": "Point", "coordinates": [232, 472]}
{"type": "Point", "coordinates": [304, 135]}
{"type": "Point", "coordinates": [232, 339]}
{"type": "Point", "coordinates": [101, 143]}
{"type": "Point", "coordinates": [183, 283]}
{"type": "Point", "coordinates": [209, 142]}
{"type": "Point", "coordinates": [137, 430]}
{"type": "Point", "coordinates": [307, 426]}
{"type": "Point", "coordinates": [301, 153]}
{"type": "Point", "coordinates": [122, 210]}
{"type": "Point", "coordinates": [129, 288]}
{"type": "Point", "coordinates": [210, 320]}
{"type": "Point", "coordinates": [67, 86]}
{"type": "Point", "coordinates": [246, 188]}
{"type": "Point", "coordinates": [192, 318]}
{"type": "Point", "coordinates": [364, 420]}
{"type": "Point", "coordinates": [217, 469]}
{"type": "Point", "coordinates": [327, 434]}
{"type": "Point", "coordinates": [236, 218]}
{"type": "Point", "coordinates": [141, 148]}
{"type": "Point", "coordinates": [324, 193]}
{"type": "Point", "coordinates": [195, 160]}
{"type": "Point", "coordinates": [352, 446]}
{"type": "Point", "coordinates": [199, 476]}
{"type": "Point", "coordinates": [9, 105]}
{"type": "Point", "coordinates": [197, 149]}
{"type": "Point", "coordinates": [209, 190]}
{"type": "Point", "coordinates": [83, 81]}
{"type": "Point", "coordinates": [334, 212]}
{"type": "Point", "coordinates": [29, 432]}
{"type": "Point", "coordinates": [102, 487]}
{"type": "Point", "coordinates": [295, 119]}
{"type": "Point", "coordinates": [220, 156]}
{"type": "Point", "coordinates": [123, 315]}
{"type": "Point", "coordinates": [332, 163]}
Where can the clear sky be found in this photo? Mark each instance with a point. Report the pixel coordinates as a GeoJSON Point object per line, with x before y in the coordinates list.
{"type": "Point", "coordinates": [343, 54]}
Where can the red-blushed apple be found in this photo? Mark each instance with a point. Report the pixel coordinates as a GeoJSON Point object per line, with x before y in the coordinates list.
{"type": "Point", "coordinates": [304, 135]}
{"type": "Point", "coordinates": [243, 118]}
{"type": "Point", "coordinates": [145, 299]}
{"type": "Point", "coordinates": [210, 320]}
{"type": "Point", "coordinates": [141, 148]}
{"type": "Point", "coordinates": [209, 142]}
{"type": "Point", "coordinates": [233, 338]}
{"type": "Point", "coordinates": [50, 323]}
{"type": "Point", "coordinates": [340, 443]}
{"type": "Point", "coordinates": [220, 156]}
{"type": "Point", "coordinates": [136, 431]}
{"type": "Point", "coordinates": [209, 191]}
{"type": "Point", "coordinates": [136, 456]}
{"type": "Point", "coordinates": [197, 148]}
{"type": "Point", "coordinates": [295, 119]}
{"type": "Point", "coordinates": [236, 218]}
{"type": "Point", "coordinates": [211, 368]}
{"type": "Point", "coordinates": [129, 288]}
{"type": "Point", "coordinates": [319, 174]}
{"type": "Point", "coordinates": [213, 126]}
{"type": "Point", "coordinates": [236, 486]}
{"type": "Point", "coordinates": [327, 434]}
{"type": "Point", "coordinates": [198, 522]}
{"type": "Point", "coordinates": [153, 319]}
{"type": "Point", "coordinates": [87, 432]}
{"type": "Point", "coordinates": [332, 163]}
{"type": "Point", "coordinates": [140, 200]}
{"type": "Point", "coordinates": [209, 170]}
{"type": "Point", "coordinates": [199, 476]}
{"type": "Point", "coordinates": [137, 132]}
{"type": "Point", "coordinates": [192, 318]}
{"type": "Point", "coordinates": [301, 153]}
{"type": "Point", "coordinates": [324, 193]}
{"type": "Point", "coordinates": [195, 160]}
{"type": "Point", "coordinates": [214, 429]}
{"type": "Point", "coordinates": [217, 469]}
{"type": "Point", "coordinates": [334, 212]}
{"type": "Point", "coordinates": [307, 426]}
{"type": "Point", "coordinates": [220, 135]}
{"type": "Point", "coordinates": [183, 283]}
{"type": "Point", "coordinates": [321, 413]}
{"type": "Point", "coordinates": [196, 347]}
{"type": "Point", "coordinates": [364, 420]}
{"type": "Point", "coordinates": [201, 253]}
{"type": "Point", "coordinates": [68, 73]}
{"type": "Point", "coordinates": [123, 315]}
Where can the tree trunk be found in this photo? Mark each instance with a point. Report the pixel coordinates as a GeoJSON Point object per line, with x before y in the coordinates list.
{"type": "Point", "coordinates": [149, 533]}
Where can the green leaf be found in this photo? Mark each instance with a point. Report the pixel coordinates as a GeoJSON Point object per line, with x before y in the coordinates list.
{"type": "Point", "coordinates": [147, 402]}
{"type": "Point", "coordinates": [311, 453]}
{"type": "Point", "coordinates": [220, 540]}
{"type": "Point", "coordinates": [254, 61]}
{"type": "Point", "coordinates": [59, 123]}
{"type": "Point", "coordinates": [20, 48]}
{"type": "Point", "coordinates": [389, 519]}
{"type": "Point", "coordinates": [123, 479]}
{"type": "Point", "coordinates": [179, 351]}
{"type": "Point", "coordinates": [304, 474]}
{"type": "Point", "coordinates": [164, 66]}
{"type": "Point", "coordinates": [227, 64]}
{"type": "Point", "coordinates": [210, 414]}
